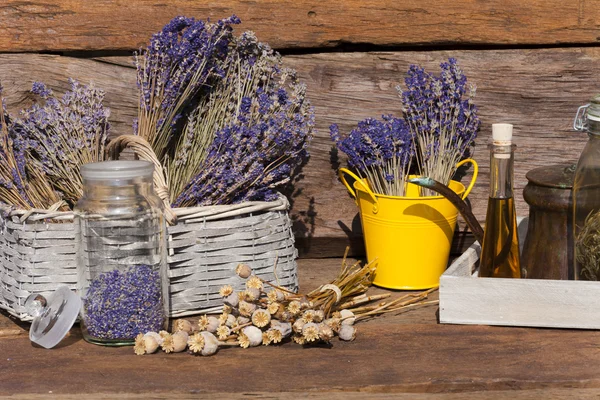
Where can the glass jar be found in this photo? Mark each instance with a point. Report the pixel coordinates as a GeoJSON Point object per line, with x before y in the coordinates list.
{"type": "Point", "coordinates": [586, 194]}
{"type": "Point", "coordinates": [121, 253]}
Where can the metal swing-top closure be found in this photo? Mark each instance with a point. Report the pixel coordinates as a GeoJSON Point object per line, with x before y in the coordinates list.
{"type": "Point", "coordinates": [590, 111]}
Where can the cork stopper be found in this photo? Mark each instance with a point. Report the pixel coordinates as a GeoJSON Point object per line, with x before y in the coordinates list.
{"type": "Point", "coordinates": [502, 134]}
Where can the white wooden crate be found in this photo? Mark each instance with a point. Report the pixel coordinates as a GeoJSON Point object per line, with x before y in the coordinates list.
{"type": "Point", "coordinates": [467, 299]}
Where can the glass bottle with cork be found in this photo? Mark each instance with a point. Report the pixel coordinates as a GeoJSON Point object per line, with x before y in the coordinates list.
{"type": "Point", "coordinates": [500, 247]}
{"type": "Point", "coordinates": [586, 195]}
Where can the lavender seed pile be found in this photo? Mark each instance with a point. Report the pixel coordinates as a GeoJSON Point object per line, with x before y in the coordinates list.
{"type": "Point", "coordinates": [121, 304]}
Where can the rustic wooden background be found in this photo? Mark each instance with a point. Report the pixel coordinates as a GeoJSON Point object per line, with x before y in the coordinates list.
{"type": "Point", "coordinates": [534, 62]}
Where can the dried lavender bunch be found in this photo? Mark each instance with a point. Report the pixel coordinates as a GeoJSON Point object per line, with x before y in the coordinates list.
{"type": "Point", "coordinates": [440, 112]}
{"type": "Point", "coordinates": [22, 184]}
{"type": "Point", "coordinates": [179, 61]}
{"type": "Point", "coordinates": [61, 135]}
{"type": "Point", "coordinates": [380, 151]}
{"type": "Point", "coordinates": [257, 124]}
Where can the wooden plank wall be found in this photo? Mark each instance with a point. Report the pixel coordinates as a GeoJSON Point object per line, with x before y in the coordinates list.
{"type": "Point", "coordinates": [534, 62]}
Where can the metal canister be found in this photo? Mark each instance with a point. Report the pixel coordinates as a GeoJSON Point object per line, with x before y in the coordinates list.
{"type": "Point", "coordinates": [548, 248]}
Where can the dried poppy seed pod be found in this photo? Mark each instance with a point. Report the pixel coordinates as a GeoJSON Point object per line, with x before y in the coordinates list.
{"type": "Point", "coordinates": [325, 332]}
{"type": "Point", "coordinates": [252, 294]}
{"type": "Point", "coordinates": [275, 309]}
{"type": "Point", "coordinates": [167, 345]}
{"type": "Point", "coordinates": [230, 320]}
{"type": "Point", "coordinates": [310, 332]}
{"type": "Point", "coordinates": [299, 339]}
{"type": "Point", "coordinates": [347, 332]}
{"type": "Point", "coordinates": [180, 341]}
{"type": "Point", "coordinates": [333, 323]}
{"type": "Point", "coordinates": [261, 318]}
{"type": "Point", "coordinates": [211, 344]}
{"type": "Point", "coordinates": [276, 296]}
{"type": "Point", "coordinates": [347, 317]}
{"type": "Point", "coordinates": [139, 348]}
{"type": "Point", "coordinates": [294, 307]}
{"type": "Point", "coordinates": [213, 324]}
{"type": "Point", "coordinates": [163, 335]}
{"type": "Point", "coordinates": [155, 335]}
{"type": "Point", "coordinates": [319, 316]}
{"type": "Point", "coordinates": [275, 335]}
{"type": "Point", "coordinates": [241, 320]}
{"type": "Point", "coordinates": [223, 332]}
{"type": "Point", "coordinates": [254, 282]}
{"type": "Point", "coordinates": [183, 325]}
{"type": "Point", "coordinates": [232, 300]}
{"type": "Point", "coordinates": [246, 309]}
{"type": "Point", "coordinates": [150, 344]}
{"type": "Point", "coordinates": [196, 343]}
{"type": "Point", "coordinates": [308, 316]}
{"type": "Point", "coordinates": [285, 328]}
{"type": "Point", "coordinates": [243, 271]}
{"type": "Point", "coordinates": [254, 335]}
{"type": "Point", "coordinates": [286, 316]}
{"type": "Point", "coordinates": [298, 325]}
{"type": "Point", "coordinates": [226, 290]}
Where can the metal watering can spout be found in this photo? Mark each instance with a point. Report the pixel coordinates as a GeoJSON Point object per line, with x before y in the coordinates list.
{"type": "Point", "coordinates": [462, 207]}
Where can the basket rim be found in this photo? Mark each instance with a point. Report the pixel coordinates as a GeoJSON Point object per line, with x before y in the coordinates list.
{"type": "Point", "coordinates": [182, 213]}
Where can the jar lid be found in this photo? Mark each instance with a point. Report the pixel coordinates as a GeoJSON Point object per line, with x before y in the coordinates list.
{"type": "Point", "coordinates": [117, 170]}
{"type": "Point", "coordinates": [558, 176]}
{"type": "Point", "coordinates": [53, 316]}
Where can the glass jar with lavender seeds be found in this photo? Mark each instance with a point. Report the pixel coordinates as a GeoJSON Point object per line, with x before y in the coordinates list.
{"type": "Point", "coordinates": [121, 253]}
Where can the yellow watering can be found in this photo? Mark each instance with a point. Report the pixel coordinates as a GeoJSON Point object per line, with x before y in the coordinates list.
{"type": "Point", "coordinates": [409, 236]}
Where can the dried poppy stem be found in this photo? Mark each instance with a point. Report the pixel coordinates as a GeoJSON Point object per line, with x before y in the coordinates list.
{"type": "Point", "coordinates": [237, 328]}
{"type": "Point", "coordinates": [379, 312]}
{"type": "Point", "coordinates": [364, 299]}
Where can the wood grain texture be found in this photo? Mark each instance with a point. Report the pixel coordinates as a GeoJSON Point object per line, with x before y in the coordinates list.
{"type": "Point", "coordinates": [536, 90]}
{"type": "Point", "coordinates": [61, 25]}
{"type": "Point", "coordinates": [404, 353]}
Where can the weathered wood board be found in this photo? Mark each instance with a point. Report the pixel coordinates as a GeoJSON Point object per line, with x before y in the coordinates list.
{"type": "Point", "coordinates": [538, 90]}
{"type": "Point", "coordinates": [467, 299]}
{"type": "Point", "coordinates": [397, 353]}
{"type": "Point", "coordinates": [74, 25]}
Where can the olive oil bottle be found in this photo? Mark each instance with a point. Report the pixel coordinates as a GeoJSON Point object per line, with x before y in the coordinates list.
{"type": "Point", "coordinates": [500, 247]}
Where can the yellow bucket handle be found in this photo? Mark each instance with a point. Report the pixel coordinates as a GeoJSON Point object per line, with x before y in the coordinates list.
{"type": "Point", "coordinates": [344, 171]}
{"type": "Point", "coordinates": [360, 182]}
{"type": "Point", "coordinates": [475, 173]}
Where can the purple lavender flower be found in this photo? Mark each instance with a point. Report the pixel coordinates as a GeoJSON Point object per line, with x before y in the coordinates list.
{"type": "Point", "coordinates": [179, 61]}
{"type": "Point", "coordinates": [380, 151]}
{"type": "Point", "coordinates": [121, 304]}
{"type": "Point", "coordinates": [63, 134]}
{"type": "Point", "coordinates": [440, 112]}
{"type": "Point", "coordinates": [263, 125]}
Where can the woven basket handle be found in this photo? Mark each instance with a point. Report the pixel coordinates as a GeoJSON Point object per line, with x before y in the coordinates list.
{"type": "Point", "coordinates": [143, 151]}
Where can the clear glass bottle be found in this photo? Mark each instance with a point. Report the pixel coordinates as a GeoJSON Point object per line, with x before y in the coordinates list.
{"type": "Point", "coordinates": [586, 195]}
{"type": "Point", "coordinates": [121, 253]}
{"type": "Point", "coordinates": [500, 247]}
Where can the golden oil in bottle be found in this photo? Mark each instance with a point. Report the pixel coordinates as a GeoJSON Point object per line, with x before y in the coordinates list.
{"type": "Point", "coordinates": [500, 247]}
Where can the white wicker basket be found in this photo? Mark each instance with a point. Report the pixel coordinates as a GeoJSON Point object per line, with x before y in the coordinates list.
{"type": "Point", "coordinates": [37, 247]}
{"type": "Point", "coordinates": [37, 253]}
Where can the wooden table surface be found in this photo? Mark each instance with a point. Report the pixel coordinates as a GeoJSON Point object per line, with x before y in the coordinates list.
{"type": "Point", "coordinates": [394, 356]}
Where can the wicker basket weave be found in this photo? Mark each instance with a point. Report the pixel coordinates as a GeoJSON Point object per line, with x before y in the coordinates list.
{"type": "Point", "coordinates": [37, 250]}
{"type": "Point", "coordinates": [37, 256]}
